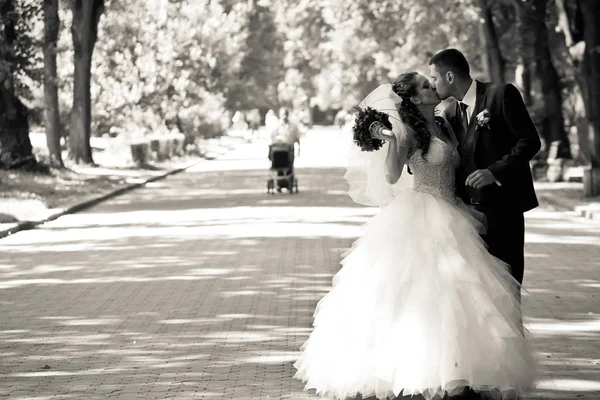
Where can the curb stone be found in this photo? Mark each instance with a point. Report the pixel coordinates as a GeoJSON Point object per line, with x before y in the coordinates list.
{"type": "Point", "coordinates": [589, 211]}
{"type": "Point", "coordinates": [93, 200]}
{"type": "Point", "coordinates": [555, 202]}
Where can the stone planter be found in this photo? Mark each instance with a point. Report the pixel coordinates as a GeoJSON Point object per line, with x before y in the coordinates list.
{"type": "Point", "coordinates": [591, 182]}
{"type": "Point", "coordinates": [140, 153]}
{"type": "Point", "coordinates": [554, 173]}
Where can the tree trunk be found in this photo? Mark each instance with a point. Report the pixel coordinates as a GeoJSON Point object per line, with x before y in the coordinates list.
{"type": "Point", "coordinates": [86, 15]}
{"type": "Point", "coordinates": [591, 66]}
{"type": "Point", "coordinates": [591, 16]}
{"type": "Point", "coordinates": [569, 25]}
{"type": "Point", "coordinates": [554, 130]}
{"type": "Point", "coordinates": [523, 80]}
{"type": "Point", "coordinates": [15, 147]}
{"type": "Point", "coordinates": [523, 72]}
{"type": "Point", "coordinates": [79, 135]}
{"type": "Point", "coordinates": [494, 60]}
{"type": "Point", "coordinates": [51, 111]}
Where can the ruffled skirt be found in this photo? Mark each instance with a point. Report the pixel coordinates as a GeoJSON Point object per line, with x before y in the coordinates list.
{"type": "Point", "coordinates": [419, 307]}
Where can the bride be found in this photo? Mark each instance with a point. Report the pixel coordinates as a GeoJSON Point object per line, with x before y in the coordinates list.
{"type": "Point", "coordinates": [419, 306]}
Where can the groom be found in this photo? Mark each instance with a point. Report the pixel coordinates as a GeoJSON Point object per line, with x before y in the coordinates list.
{"type": "Point", "coordinates": [497, 139]}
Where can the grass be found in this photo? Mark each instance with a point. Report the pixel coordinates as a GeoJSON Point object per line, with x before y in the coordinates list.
{"type": "Point", "coordinates": [562, 196]}
{"type": "Point", "coordinates": [26, 196]}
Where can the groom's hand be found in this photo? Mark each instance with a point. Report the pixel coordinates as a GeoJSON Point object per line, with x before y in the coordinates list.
{"type": "Point", "coordinates": [480, 178]}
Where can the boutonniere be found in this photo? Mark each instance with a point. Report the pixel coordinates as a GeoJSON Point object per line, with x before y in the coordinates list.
{"type": "Point", "coordinates": [483, 119]}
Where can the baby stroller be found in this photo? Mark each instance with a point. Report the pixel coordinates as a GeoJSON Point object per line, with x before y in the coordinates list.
{"type": "Point", "coordinates": [282, 168]}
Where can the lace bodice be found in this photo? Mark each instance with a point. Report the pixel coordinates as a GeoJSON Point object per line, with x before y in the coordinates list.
{"type": "Point", "coordinates": [435, 173]}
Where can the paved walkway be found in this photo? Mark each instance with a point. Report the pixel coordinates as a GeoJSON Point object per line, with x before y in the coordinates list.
{"type": "Point", "coordinates": [202, 286]}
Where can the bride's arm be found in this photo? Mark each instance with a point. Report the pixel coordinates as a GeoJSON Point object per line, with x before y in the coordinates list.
{"type": "Point", "coordinates": [397, 153]}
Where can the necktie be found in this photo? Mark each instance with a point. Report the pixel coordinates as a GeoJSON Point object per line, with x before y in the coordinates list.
{"type": "Point", "coordinates": [463, 116]}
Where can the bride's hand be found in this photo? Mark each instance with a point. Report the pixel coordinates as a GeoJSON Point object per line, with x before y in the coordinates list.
{"type": "Point", "coordinates": [379, 131]}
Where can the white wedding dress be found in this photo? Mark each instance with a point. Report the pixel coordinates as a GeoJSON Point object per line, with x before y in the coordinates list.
{"type": "Point", "coordinates": [420, 306]}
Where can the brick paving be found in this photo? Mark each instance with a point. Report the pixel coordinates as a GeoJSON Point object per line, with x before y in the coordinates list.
{"type": "Point", "coordinates": [202, 286]}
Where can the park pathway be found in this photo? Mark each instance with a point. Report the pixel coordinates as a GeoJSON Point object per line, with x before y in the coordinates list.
{"type": "Point", "coordinates": [202, 286]}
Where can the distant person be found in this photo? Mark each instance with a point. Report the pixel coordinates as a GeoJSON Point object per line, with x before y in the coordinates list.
{"type": "Point", "coordinates": [340, 118]}
{"type": "Point", "coordinates": [239, 122]}
{"type": "Point", "coordinates": [253, 121]}
{"type": "Point", "coordinates": [286, 130]}
{"type": "Point", "coordinates": [300, 118]}
{"type": "Point", "coordinates": [271, 122]}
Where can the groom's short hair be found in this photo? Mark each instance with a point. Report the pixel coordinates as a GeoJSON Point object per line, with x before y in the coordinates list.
{"type": "Point", "coordinates": [452, 60]}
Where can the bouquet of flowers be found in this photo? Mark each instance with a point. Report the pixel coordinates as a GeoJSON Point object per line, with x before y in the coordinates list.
{"type": "Point", "coordinates": [362, 128]}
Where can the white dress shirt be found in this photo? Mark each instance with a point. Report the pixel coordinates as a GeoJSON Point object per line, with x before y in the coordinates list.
{"type": "Point", "coordinates": [470, 99]}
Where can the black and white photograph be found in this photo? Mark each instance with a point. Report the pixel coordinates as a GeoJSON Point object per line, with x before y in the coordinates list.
{"type": "Point", "coordinates": [298, 200]}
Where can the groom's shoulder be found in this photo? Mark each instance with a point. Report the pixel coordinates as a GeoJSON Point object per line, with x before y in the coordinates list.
{"type": "Point", "coordinates": [493, 87]}
{"type": "Point", "coordinates": [500, 89]}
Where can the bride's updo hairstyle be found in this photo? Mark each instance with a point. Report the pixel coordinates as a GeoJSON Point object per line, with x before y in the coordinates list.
{"type": "Point", "coordinates": [405, 86]}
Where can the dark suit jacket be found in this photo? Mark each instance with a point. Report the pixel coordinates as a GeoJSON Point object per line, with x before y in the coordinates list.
{"type": "Point", "coordinates": [505, 147]}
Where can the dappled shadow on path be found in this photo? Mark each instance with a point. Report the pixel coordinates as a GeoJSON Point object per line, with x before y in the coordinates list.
{"type": "Point", "coordinates": [562, 303]}
{"type": "Point", "coordinates": [187, 288]}
{"type": "Point", "coordinates": [203, 286]}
